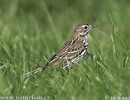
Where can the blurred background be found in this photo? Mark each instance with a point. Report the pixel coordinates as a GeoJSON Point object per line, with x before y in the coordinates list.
{"type": "Point", "coordinates": [54, 21]}
{"type": "Point", "coordinates": [31, 31]}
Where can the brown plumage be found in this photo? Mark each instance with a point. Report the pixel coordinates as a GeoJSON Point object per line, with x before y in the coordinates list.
{"type": "Point", "coordinates": [71, 52]}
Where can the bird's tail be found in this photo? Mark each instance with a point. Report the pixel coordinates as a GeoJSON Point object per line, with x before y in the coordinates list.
{"type": "Point", "coordinates": [32, 72]}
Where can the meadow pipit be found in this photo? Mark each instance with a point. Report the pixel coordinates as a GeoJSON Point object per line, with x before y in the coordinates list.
{"type": "Point", "coordinates": [71, 52]}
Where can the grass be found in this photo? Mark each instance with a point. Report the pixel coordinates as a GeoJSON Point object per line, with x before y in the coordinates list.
{"type": "Point", "coordinates": [32, 31]}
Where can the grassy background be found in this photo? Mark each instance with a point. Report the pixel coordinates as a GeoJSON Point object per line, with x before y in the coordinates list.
{"type": "Point", "coordinates": [31, 31]}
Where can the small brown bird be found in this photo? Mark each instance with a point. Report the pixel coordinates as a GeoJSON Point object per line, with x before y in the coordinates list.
{"type": "Point", "coordinates": [71, 52]}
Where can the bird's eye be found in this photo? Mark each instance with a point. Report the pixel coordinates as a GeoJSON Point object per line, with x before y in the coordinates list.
{"type": "Point", "coordinates": [85, 27]}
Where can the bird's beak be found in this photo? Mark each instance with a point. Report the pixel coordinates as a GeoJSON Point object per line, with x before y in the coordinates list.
{"type": "Point", "coordinates": [93, 26]}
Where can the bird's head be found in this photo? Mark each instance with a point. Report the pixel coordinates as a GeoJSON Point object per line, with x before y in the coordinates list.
{"type": "Point", "coordinates": [83, 29]}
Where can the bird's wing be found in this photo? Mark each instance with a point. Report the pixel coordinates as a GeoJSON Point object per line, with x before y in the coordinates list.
{"type": "Point", "coordinates": [70, 50]}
